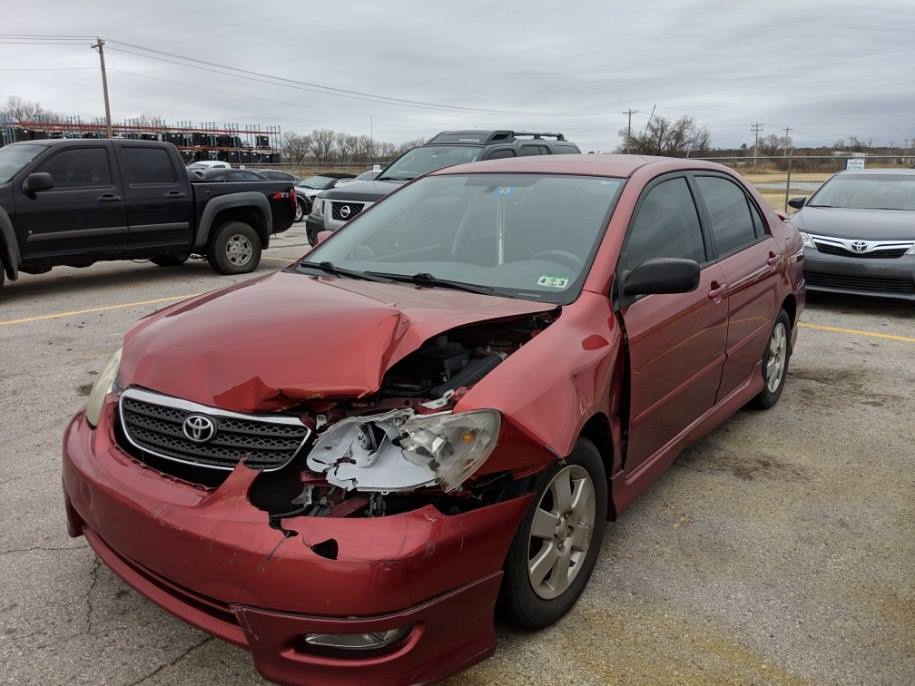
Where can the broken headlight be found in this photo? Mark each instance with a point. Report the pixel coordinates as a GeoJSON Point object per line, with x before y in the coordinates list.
{"type": "Point", "coordinates": [107, 380]}
{"type": "Point", "coordinates": [453, 446]}
{"type": "Point", "coordinates": [400, 451]}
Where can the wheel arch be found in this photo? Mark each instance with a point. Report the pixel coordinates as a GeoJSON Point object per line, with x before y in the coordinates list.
{"type": "Point", "coordinates": [9, 247]}
{"type": "Point", "coordinates": [250, 207]}
{"type": "Point", "coordinates": [597, 430]}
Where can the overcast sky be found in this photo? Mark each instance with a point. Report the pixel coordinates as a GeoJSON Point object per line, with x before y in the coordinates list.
{"type": "Point", "coordinates": [827, 69]}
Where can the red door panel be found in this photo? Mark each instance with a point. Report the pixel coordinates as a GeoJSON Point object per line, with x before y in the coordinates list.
{"type": "Point", "coordinates": [752, 289]}
{"type": "Point", "coordinates": [677, 351]}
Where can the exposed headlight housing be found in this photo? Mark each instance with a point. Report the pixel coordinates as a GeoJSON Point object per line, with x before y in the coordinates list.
{"type": "Point", "coordinates": [400, 451]}
{"type": "Point", "coordinates": [807, 240]}
{"type": "Point", "coordinates": [106, 382]}
{"type": "Point", "coordinates": [317, 207]}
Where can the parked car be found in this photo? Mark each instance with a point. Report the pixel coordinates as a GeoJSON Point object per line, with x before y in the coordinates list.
{"type": "Point", "coordinates": [307, 189]}
{"type": "Point", "coordinates": [859, 233]}
{"type": "Point", "coordinates": [368, 175]}
{"type": "Point", "coordinates": [333, 208]}
{"type": "Point", "coordinates": [208, 164]}
{"type": "Point", "coordinates": [275, 175]}
{"type": "Point", "coordinates": [77, 201]}
{"type": "Point", "coordinates": [537, 339]}
{"type": "Point", "coordinates": [233, 175]}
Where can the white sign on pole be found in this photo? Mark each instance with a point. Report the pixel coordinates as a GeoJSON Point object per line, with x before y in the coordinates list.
{"type": "Point", "coordinates": [854, 163]}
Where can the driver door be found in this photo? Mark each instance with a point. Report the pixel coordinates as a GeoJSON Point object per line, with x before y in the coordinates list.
{"type": "Point", "coordinates": [676, 341]}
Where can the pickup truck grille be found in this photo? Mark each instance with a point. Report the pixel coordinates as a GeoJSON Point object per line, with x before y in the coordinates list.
{"type": "Point", "coordinates": [182, 431]}
{"type": "Point", "coordinates": [344, 211]}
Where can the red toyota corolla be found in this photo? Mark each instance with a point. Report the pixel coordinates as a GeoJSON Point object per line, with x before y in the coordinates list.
{"type": "Point", "coordinates": [343, 466]}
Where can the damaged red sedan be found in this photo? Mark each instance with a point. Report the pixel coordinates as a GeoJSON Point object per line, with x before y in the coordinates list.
{"type": "Point", "coordinates": [345, 466]}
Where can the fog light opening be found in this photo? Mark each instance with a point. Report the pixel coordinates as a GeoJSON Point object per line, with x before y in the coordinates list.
{"type": "Point", "coordinates": [355, 645]}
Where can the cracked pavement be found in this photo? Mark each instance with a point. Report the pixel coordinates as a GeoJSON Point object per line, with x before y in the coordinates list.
{"type": "Point", "coordinates": [779, 550]}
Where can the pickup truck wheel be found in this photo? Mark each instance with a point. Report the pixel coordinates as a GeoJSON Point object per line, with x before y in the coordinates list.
{"type": "Point", "coordinates": [775, 362]}
{"type": "Point", "coordinates": [300, 210]}
{"type": "Point", "coordinates": [171, 260]}
{"type": "Point", "coordinates": [556, 546]}
{"type": "Point", "coordinates": [235, 248]}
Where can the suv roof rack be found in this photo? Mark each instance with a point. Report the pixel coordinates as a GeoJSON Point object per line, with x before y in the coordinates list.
{"type": "Point", "coordinates": [486, 137]}
{"type": "Point", "coordinates": [544, 134]}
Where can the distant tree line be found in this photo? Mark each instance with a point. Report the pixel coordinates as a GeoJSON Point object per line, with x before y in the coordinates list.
{"type": "Point", "coordinates": [326, 146]}
{"type": "Point", "coordinates": [661, 136]}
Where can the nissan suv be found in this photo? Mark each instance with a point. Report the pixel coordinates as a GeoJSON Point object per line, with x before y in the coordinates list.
{"type": "Point", "coordinates": [333, 208]}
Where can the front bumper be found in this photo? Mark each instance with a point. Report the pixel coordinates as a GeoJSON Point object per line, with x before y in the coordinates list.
{"type": "Point", "coordinates": [881, 277]}
{"type": "Point", "coordinates": [211, 558]}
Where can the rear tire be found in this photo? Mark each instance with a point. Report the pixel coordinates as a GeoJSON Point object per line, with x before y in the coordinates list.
{"type": "Point", "coordinates": [301, 210]}
{"type": "Point", "coordinates": [775, 362]}
{"type": "Point", "coordinates": [557, 543]}
{"type": "Point", "coordinates": [234, 248]}
{"type": "Point", "coordinates": [171, 260]}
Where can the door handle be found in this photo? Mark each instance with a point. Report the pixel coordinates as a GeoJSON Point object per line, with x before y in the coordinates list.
{"type": "Point", "coordinates": [716, 291]}
{"type": "Point", "coordinates": [108, 197]}
{"type": "Point", "coordinates": [773, 259]}
{"type": "Point", "coordinates": [175, 194]}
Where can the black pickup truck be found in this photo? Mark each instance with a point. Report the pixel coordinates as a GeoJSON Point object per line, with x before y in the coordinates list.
{"type": "Point", "coordinates": [75, 202]}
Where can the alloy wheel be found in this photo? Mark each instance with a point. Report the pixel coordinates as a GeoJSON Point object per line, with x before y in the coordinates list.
{"type": "Point", "coordinates": [239, 250]}
{"type": "Point", "coordinates": [777, 358]}
{"type": "Point", "coordinates": [561, 531]}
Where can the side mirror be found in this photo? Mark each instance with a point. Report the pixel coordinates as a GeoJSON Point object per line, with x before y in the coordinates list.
{"type": "Point", "coordinates": [663, 275]}
{"type": "Point", "coordinates": [323, 236]}
{"type": "Point", "coordinates": [38, 181]}
{"type": "Point", "coordinates": [797, 203]}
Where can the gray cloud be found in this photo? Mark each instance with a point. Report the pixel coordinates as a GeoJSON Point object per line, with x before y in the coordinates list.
{"type": "Point", "coordinates": [827, 69]}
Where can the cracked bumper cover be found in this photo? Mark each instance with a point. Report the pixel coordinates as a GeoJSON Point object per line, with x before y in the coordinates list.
{"type": "Point", "coordinates": [210, 558]}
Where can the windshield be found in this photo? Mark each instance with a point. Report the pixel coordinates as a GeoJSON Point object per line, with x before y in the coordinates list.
{"type": "Point", "coordinates": [15, 157]}
{"type": "Point", "coordinates": [419, 161]}
{"type": "Point", "coordinates": [316, 182]}
{"type": "Point", "coordinates": [867, 192]}
{"type": "Point", "coordinates": [522, 235]}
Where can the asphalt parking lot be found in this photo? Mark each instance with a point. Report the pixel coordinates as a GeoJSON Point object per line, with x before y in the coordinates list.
{"type": "Point", "coordinates": [779, 550]}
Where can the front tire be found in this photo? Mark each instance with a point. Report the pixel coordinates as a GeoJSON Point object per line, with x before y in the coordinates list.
{"type": "Point", "coordinates": [235, 248]}
{"type": "Point", "coordinates": [556, 546]}
{"type": "Point", "coordinates": [775, 362]}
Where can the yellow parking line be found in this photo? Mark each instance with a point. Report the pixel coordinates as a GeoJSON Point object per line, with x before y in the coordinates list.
{"type": "Point", "coordinates": [857, 332]}
{"type": "Point", "coordinates": [282, 260]}
{"type": "Point", "coordinates": [90, 310]}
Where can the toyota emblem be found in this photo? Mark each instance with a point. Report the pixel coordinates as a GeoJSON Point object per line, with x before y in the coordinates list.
{"type": "Point", "coordinates": [199, 428]}
{"type": "Point", "coordinates": [859, 246]}
{"type": "Point", "coordinates": [345, 211]}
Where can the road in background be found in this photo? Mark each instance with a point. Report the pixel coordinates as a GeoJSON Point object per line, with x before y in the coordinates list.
{"type": "Point", "coordinates": [779, 550]}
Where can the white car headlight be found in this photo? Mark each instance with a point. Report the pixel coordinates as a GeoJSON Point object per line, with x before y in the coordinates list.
{"type": "Point", "coordinates": [453, 446]}
{"type": "Point", "coordinates": [807, 240]}
{"type": "Point", "coordinates": [106, 382]}
{"type": "Point", "coordinates": [317, 207]}
{"type": "Point", "coordinates": [400, 451]}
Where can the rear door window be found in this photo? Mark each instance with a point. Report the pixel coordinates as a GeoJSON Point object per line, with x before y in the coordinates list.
{"type": "Point", "coordinates": [147, 166]}
{"type": "Point", "coordinates": [666, 224]}
{"type": "Point", "coordinates": [531, 150]}
{"type": "Point", "coordinates": [79, 168]}
{"type": "Point", "coordinates": [729, 213]}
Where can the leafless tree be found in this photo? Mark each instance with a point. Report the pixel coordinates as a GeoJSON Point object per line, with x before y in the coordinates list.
{"type": "Point", "coordinates": [665, 137]}
{"type": "Point", "coordinates": [322, 144]}
{"type": "Point", "coordinates": [17, 109]}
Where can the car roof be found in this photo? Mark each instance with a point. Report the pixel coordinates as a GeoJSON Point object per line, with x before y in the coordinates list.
{"type": "Point", "coordinates": [87, 141]}
{"type": "Point", "coordinates": [586, 165]}
{"type": "Point", "coordinates": [877, 170]}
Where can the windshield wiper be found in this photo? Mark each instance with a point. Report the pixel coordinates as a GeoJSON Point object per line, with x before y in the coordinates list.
{"type": "Point", "coordinates": [331, 268]}
{"type": "Point", "coordinates": [432, 281]}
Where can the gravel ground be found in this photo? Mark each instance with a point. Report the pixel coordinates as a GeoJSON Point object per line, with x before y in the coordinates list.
{"type": "Point", "coordinates": [779, 550]}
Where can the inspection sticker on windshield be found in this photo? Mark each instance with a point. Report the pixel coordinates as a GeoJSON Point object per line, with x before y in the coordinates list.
{"type": "Point", "coordinates": [552, 281]}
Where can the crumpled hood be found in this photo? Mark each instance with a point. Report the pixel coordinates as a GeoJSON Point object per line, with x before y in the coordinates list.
{"type": "Point", "coordinates": [864, 224]}
{"type": "Point", "coordinates": [269, 343]}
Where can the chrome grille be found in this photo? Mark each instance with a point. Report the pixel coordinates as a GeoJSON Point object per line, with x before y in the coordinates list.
{"type": "Point", "coordinates": [351, 210]}
{"type": "Point", "coordinates": [154, 423]}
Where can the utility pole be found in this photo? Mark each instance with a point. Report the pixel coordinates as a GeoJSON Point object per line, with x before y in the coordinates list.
{"type": "Point", "coordinates": [629, 114]}
{"type": "Point", "coordinates": [788, 153]}
{"type": "Point", "coordinates": [756, 128]}
{"type": "Point", "coordinates": [100, 46]}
